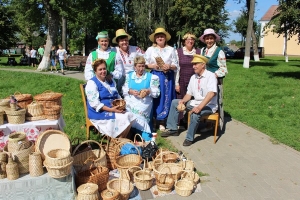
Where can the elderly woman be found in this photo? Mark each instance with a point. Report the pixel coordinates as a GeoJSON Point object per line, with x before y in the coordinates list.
{"type": "Point", "coordinates": [125, 55]}
{"type": "Point", "coordinates": [165, 72]}
{"type": "Point", "coordinates": [108, 119]}
{"type": "Point", "coordinates": [216, 64]}
{"type": "Point", "coordinates": [105, 52]}
{"type": "Point", "coordinates": [139, 90]}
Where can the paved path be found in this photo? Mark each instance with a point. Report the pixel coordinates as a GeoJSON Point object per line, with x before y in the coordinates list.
{"type": "Point", "coordinates": [243, 164]}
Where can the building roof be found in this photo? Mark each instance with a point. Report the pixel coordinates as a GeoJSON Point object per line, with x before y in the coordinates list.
{"type": "Point", "coordinates": [270, 13]}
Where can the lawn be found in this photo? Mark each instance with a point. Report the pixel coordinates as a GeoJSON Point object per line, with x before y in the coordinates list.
{"type": "Point", "coordinates": [265, 97]}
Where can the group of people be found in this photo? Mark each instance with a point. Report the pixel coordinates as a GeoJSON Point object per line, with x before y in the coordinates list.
{"type": "Point", "coordinates": [60, 55]}
{"type": "Point", "coordinates": [191, 75]}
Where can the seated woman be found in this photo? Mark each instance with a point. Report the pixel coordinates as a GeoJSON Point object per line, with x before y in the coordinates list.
{"type": "Point", "coordinates": [100, 94]}
{"type": "Point", "coordinates": [139, 90]}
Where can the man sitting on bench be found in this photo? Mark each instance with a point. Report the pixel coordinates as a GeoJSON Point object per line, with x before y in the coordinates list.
{"type": "Point", "coordinates": [203, 87]}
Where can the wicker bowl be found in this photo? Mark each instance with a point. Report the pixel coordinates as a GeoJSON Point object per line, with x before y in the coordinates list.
{"type": "Point", "coordinates": [181, 107]}
{"type": "Point", "coordinates": [59, 171]}
{"type": "Point", "coordinates": [57, 157]}
{"type": "Point", "coordinates": [88, 191]}
{"type": "Point", "coordinates": [110, 194]}
{"type": "Point", "coordinates": [120, 103]}
{"type": "Point", "coordinates": [184, 187]}
{"type": "Point", "coordinates": [143, 180]}
{"type": "Point", "coordinates": [124, 187]}
{"type": "Point", "coordinates": [15, 116]}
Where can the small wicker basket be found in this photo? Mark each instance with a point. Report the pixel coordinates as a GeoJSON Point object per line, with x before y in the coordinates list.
{"type": "Point", "coordinates": [165, 181]}
{"type": "Point", "coordinates": [58, 157]}
{"type": "Point", "coordinates": [88, 191]}
{"type": "Point", "coordinates": [60, 171]}
{"type": "Point", "coordinates": [110, 195]}
{"type": "Point", "coordinates": [53, 112]}
{"type": "Point", "coordinates": [143, 180]}
{"type": "Point", "coordinates": [15, 117]}
{"type": "Point", "coordinates": [12, 170]}
{"type": "Point", "coordinates": [4, 103]}
{"type": "Point", "coordinates": [17, 141]}
{"type": "Point", "coordinates": [184, 187]}
{"type": "Point", "coordinates": [23, 100]}
{"type": "Point", "coordinates": [123, 186]}
{"type": "Point", "coordinates": [35, 109]}
{"type": "Point", "coordinates": [35, 164]}
{"type": "Point", "coordinates": [1, 117]}
{"type": "Point", "coordinates": [121, 103]}
{"type": "Point", "coordinates": [131, 172]}
{"type": "Point", "coordinates": [22, 158]}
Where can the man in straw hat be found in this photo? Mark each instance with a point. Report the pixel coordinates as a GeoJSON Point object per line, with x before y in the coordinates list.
{"type": "Point", "coordinates": [203, 87]}
{"type": "Point", "coordinates": [105, 52]}
{"type": "Point", "coordinates": [125, 55]}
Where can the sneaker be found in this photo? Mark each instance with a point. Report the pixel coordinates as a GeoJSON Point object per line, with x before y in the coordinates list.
{"type": "Point", "coordinates": [51, 72]}
{"type": "Point", "coordinates": [168, 132]}
{"type": "Point", "coordinates": [206, 129]}
{"type": "Point", "coordinates": [56, 72]}
{"type": "Point", "coordinates": [63, 73]}
{"type": "Point", "coordinates": [187, 143]}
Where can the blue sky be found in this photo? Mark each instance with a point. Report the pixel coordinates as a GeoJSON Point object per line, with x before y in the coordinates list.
{"type": "Point", "coordinates": [234, 9]}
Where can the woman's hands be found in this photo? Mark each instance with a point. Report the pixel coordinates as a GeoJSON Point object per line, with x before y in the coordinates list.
{"type": "Point", "coordinates": [116, 110]}
{"type": "Point", "coordinates": [177, 88]}
{"type": "Point", "coordinates": [134, 92]}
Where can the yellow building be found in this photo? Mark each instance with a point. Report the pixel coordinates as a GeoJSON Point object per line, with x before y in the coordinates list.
{"type": "Point", "coordinates": [274, 45]}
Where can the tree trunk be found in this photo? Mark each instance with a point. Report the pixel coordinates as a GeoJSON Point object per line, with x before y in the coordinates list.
{"type": "Point", "coordinates": [254, 44]}
{"type": "Point", "coordinates": [53, 21]}
{"type": "Point", "coordinates": [248, 37]}
{"type": "Point", "coordinates": [285, 45]}
{"type": "Point", "coordinates": [64, 33]}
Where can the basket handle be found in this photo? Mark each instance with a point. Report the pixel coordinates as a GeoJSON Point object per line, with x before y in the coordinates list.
{"type": "Point", "coordinates": [84, 142]}
{"type": "Point", "coordinates": [18, 93]}
{"type": "Point", "coordinates": [129, 143]}
{"type": "Point", "coordinates": [48, 91]}
{"type": "Point", "coordinates": [166, 174]}
{"type": "Point", "coordinates": [134, 139]}
{"type": "Point", "coordinates": [108, 141]}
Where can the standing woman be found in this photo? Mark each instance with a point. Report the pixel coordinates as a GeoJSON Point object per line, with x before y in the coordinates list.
{"type": "Point", "coordinates": [125, 55]}
{"type": "Point", "coordinates": [105, 52]}
{"type": "Point", "coordinates": [217, 65]}
{"type": "Point", "coordinates": [161, 105]}
{"type": "Point", "coordinates": [100, 94]}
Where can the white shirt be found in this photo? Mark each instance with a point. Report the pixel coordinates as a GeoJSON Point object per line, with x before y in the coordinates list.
{"type": "Point", "coordinates": [126, 60]}
{"type": "Point", "coordinates": [199, 87]}
{"type": "Point", "coordinates": [61, 54]}
{"type": "Point", "coordinates": [33, 53]}
{"type": "Point", "coordinates": [168, 54]}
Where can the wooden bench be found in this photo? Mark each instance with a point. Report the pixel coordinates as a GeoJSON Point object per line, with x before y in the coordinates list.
{"type": "Point", "coordinates": [76, 62]}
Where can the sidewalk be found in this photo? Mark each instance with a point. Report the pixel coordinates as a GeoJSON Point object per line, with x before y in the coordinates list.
{"type": "Point", "coordinates": [243, 164]}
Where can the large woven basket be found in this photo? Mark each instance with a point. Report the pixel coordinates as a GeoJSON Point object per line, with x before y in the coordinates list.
{"type": "Point", "coordinates": [15, 116]}
{"type": "Point", "coordinates": [22, 158]}
{"type": "Point", "coordinates": [49, 98]}
{"type": "Point", "coordinates": [88, 191]}
{"type": "Point", "coordinates": [165, 180]}
{"type": "Point", "coordinates": [58, 157]}
{"type": "Point", "coordinates": [184, 187]}
{"type": "Point", "coordinates": [35, 109]}
{"type": "Point", "coordinates": [121, 103]}
{"type": "Point", "coordinates": [160, 167]}
{"type": "Point", "coordinates": [98, 156]}
{"type": "Point", "coordinates": [98, 175]}
{"type": "Point", "coordinates": [143, 180]}
{"type": "Point", "coordinates": [23, 100]}
{"type": "Point", "coordinates": [124, 162]}
{"type": "Point", "coordinates": [59, 171]}
{"type": "Point", "coordinates": [123, 186]}
{"type": "Point", "coordinates": [17, 141]}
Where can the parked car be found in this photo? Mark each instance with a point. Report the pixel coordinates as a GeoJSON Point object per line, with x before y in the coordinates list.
{"type": "Point", "coordinates": [240, 53]}
{"type": "Point", "coordinates": [229, 53]}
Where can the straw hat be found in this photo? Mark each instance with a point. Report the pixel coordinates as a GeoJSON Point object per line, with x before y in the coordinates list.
{"type": "Point", "coordinates": [120, 32]}
{"type": "Point", "coordinates": [199, 59]}
{"type": "Point", "coordinates": [209, 31]}
{"type": "Point", "coordinates": [159, 30]}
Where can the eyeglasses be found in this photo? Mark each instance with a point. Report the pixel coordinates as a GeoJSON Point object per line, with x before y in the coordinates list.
{"type": "Point", "coordinates": [192, 39]}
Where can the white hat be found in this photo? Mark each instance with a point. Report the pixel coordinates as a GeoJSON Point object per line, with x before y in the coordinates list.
{"type": "Point", "coordinates": [209, 31]}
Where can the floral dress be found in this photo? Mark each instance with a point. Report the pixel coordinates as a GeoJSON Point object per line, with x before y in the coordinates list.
{"type": "Point", "coordinates": [141, 107]}
{"type": "Point", "coordinates": [101, 94]}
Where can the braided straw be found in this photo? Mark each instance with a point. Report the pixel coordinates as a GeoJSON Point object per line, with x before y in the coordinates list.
{"type": "Point", "coordinates": [35, 164]}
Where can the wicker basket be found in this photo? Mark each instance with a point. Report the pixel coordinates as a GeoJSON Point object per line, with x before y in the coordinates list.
{"type": "Point", "coordinates": [124, 162]}
{"type": "Point", "coordinates": [1, 117]}
{"type": "Point", "coordinates": [35, 164]}
{"type": "Point", "coordinates": [12, 170]}
{"type": "Point", "coordinates": [15, 117]}
{"type": "Point", "coordinates": [121, 103]}
{"type": "Point", "coordinates": [123, 186]}
{"type": "Point", "coordinates": [3, 167]}
{"type": "Point", "coordinates": [4, 103]}
{"type": "Point", "coordinates": [88, 191]}
{"type": "Point", "coordinates": [97, 155]}
{"type": "Point", "coordinates": [167, 156]}
{"type": "Point", "coordinates": [35, 118]}
{"type": "Point", "coordinates": [131, 171]}
{"type": "Point", "coordinates": [23, 100]}
{"type": "Point", "coordinates": [160, 167]}
{"type": "Point", "coordinates": [165, 181]}
{"type": "Point", "coordinates": [143, 180]}
{"type": "Point", "coordinates": [53, 112]}
{"type": "Point", "coordinates": [98, 175]}
{"type": "Point", "coordinates": [35, 109]}
{"type": "Point", "coordinates": [3, 156]}
{"type": "Point", "coordinates": [187, 165]}
{"type": "Point", "coordinates": [17, 141]}
{"type": "Point", "coordinates": [59, 172]}
{"type": "Point", "coordinates": [110, 195]}
{"type": "Point", "coordinates": [191, 176]}
{"type": "Point", "coordinates": [140, 143]}
{"type": "Point", "coordinates": [49, 99]}
{"type": "Point", "coordinates": [184, 187]}
{"type": "Point", "coordinates": [22, 158]}
{"type": "Point", "coordinates": [58, 157]}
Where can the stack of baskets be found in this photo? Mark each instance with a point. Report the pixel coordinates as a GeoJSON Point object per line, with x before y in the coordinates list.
{"type": "Point", "coordinates": [35, 111]}
{"type": "Point", "coordinates": [20, 148]}
{"type": "Point", "coordinates": [51, 102]}
{"type": "Point", "coordinates": [58, 163]}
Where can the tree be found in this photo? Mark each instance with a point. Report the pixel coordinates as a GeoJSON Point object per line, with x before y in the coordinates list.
{"type": "Point", "coordinates": [249, 31]}
{"type": "Point", "coordinates": [241, 24]}
{"type": "Point", "coordinates": [8, 27]}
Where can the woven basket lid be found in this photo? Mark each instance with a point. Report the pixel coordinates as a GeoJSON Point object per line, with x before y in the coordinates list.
{"type": "Point", "coordinates": [22, 97]}
{"type": "Point", "coordinates": [52, 139]}
{"type": "Point", "coordinates": [88, 188]}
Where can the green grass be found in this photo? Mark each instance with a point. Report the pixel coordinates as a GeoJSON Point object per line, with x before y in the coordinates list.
{"type": "Point", "coordinates": [266, 97]}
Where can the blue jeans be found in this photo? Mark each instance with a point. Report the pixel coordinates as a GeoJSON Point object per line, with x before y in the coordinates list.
{"type": "Point", "coordinates": [61, 63]}
{"type": "Point", "coordinates": [194, 122]}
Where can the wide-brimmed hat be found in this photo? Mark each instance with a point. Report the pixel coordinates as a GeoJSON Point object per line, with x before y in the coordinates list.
{"type": "Point", "coordinates": [209, 31]}
{"type": "Point", "coordinates": [102, 34]}
{"type": "Point", "coordinates": [119, 33]}
{"type": "Point", "coordinates": [159, 30]}
{"type": "Point", "coordinates": [199, 59]}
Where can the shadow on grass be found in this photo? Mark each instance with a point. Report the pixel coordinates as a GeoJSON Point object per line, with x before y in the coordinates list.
{"type": "Point", "coordinates": [295, 75]}
{"type": "Point", "coordinates": [264, 64]}
{"type": "Point", "coordinates": [202, 136]}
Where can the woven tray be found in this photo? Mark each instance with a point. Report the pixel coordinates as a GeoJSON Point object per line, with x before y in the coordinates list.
{"type": "Point", "coordinates": [52, 139]}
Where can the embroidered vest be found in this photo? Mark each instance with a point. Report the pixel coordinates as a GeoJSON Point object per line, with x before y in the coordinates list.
{"type": "Point", "coordinates": [110, 62]}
